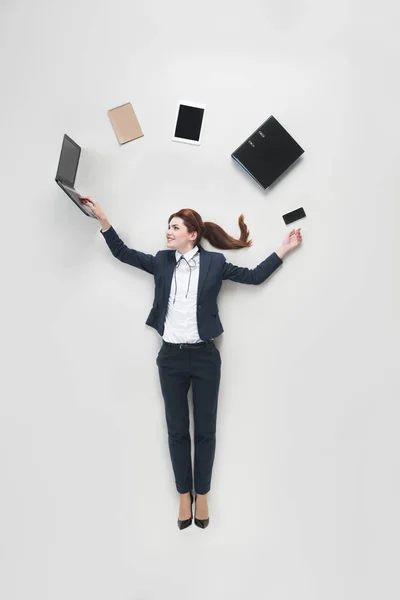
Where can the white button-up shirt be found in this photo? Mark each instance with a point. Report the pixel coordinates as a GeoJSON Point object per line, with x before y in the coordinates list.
{"type": "Point", "coordinates": [181, 319]}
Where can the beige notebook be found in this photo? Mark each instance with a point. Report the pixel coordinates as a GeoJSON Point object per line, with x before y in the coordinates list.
{"type": "Point", "coordinates": [125, 123]}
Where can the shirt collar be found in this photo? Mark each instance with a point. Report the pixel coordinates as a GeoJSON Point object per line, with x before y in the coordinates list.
{"type": "Point", "coordinates": [187, 255]}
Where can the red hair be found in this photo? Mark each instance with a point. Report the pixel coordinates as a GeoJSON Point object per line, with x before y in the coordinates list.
{"type": "Point", "coordinates": [213, 232]}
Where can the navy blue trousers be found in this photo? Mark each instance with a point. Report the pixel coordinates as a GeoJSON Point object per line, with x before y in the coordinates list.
{"type": "Point", "coordinates": [178, 368]}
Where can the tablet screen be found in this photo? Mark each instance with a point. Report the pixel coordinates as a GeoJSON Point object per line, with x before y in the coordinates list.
{"type": "Point", "coordinates": [189, 122]}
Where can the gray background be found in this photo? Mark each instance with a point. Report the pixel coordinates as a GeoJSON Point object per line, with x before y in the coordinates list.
{"type": "Point", "coordinates": [305, 492]}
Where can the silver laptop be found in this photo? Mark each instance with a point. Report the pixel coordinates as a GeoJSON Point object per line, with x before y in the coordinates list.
{"type": "Point", "coordinates": [66, 173]}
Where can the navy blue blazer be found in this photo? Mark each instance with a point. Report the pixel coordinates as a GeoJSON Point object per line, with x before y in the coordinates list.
{"type": "Point", "coordinates": [213, 270]}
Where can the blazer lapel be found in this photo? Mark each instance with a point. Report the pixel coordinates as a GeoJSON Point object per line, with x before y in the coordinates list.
{"type": "Point", "coordinates": [171, 262]}
{"type": "Point", "coordinates": [205, 261]}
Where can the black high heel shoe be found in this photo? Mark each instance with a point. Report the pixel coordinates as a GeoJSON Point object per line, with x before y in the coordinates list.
{"type": "Point", "coordinates": [202, 523]}
{"type": "Point", "coordinates": [186, 522]}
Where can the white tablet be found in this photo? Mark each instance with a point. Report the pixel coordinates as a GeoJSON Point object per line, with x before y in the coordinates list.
{"type": "Point", "coordinates": [189, 123]}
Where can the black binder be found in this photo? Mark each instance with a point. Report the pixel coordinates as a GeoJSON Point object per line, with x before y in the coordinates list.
{"type": "Point", "coordinates": [267, 153]}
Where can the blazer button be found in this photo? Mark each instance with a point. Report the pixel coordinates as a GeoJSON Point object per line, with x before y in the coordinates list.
{"type": "Point", "coordinates": [199, 307]}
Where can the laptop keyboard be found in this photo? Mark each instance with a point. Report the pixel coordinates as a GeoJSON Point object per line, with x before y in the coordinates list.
{"type": "Point", "coordinates": [75, 194]}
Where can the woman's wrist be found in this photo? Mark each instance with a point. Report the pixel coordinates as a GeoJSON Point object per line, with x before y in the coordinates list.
{"type": "Point", "coordinates": [105, 224]}
{"type": "Point", "coordinates": [282, 251]}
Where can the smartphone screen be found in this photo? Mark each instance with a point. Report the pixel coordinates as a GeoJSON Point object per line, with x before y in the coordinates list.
{"type": "Point", "coordinates": [295, 215]}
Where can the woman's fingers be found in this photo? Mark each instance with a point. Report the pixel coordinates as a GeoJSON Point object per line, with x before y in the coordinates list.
{"type": "Point", "coordinates": [87, 199]}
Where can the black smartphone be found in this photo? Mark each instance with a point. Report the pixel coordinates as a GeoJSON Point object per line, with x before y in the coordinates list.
{"type": "Point", "coordinates": [295, 215]}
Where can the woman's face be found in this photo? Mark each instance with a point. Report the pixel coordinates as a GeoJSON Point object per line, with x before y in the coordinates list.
{"type": "Point", "coordinates": [178, 237]}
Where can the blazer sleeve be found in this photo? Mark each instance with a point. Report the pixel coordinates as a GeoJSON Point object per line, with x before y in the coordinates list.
{"type": "Point", "coordinates": [252, 276]}
{"type": "Point", "coordinates": [128, 255]}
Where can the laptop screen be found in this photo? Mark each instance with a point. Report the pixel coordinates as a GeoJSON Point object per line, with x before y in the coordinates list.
{"type": "Point", "coordinates": [69, 159]}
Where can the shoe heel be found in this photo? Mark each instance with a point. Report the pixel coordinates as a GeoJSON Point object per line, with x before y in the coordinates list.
{"type": "Point", "coordinates": [202, 523]}
{"type": "Point", "coordinates": [187, 522]}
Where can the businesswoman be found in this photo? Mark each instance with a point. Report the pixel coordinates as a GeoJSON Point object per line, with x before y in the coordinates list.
{"type": "Point", "coordinates": [187, 281]}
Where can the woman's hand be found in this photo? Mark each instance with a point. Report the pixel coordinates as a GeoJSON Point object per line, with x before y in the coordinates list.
{"type": "Point", "coordinates": [290, 242]}
{"type": "Point", "coordinates": [96, 208]}
{"type": "Point", "coordinates": [293, 239]}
